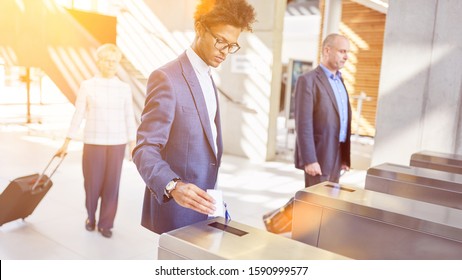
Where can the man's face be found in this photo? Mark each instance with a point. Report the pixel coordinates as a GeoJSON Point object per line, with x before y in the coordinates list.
{"type": "Point", "coordinates": [211, 39]}
{"type": "Point", "coordinates": [337, 53]}
{"type": "Point", "coordinates": [108, 65]}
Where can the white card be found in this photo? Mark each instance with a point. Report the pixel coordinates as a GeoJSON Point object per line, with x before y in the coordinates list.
{"type": "Point", "coordinates": [219, 209]}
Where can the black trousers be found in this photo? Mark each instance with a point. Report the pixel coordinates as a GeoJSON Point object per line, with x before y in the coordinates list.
{"type": "Point", "coordinates": [102, 167]}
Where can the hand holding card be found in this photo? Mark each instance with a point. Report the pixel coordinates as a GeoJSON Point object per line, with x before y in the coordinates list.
{"type": "Point", "coordinates": [218, 196]}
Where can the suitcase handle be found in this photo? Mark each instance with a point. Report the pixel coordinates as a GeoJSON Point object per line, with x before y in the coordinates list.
{"type": "Point", "coordinates": [53, 172]}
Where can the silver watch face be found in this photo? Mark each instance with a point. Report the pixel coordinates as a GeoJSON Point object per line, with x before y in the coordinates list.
{"type": "Point", "coordinates": [171, 186]}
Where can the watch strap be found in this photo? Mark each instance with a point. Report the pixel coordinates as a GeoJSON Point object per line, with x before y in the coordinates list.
{"type": "Point", "coordinates": [170, 187]}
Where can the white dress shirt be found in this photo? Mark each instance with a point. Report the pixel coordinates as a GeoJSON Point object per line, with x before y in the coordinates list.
{"type": "Point", "coordinates": [205, 80]}
{"type": "Point", "coordinates": [107, 106]}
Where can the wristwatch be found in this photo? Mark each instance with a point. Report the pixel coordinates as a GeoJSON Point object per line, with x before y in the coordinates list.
{"type": "Point", "coordinates": [170, 187]}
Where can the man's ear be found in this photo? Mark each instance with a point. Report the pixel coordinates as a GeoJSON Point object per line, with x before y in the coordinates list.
{"type": "Point", "coordinates": [199, 28]}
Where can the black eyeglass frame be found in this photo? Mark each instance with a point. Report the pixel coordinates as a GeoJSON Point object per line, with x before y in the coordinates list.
{"type": "Point", "coordinates": [225, 44]}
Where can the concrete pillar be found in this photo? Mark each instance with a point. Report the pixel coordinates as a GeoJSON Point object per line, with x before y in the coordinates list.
{"type": "Point", "coordinates": [332, 17]}
{"type": "Point", "coordinates": [253, 76]}
{"type": "Point", "coordinates": [420, 93]}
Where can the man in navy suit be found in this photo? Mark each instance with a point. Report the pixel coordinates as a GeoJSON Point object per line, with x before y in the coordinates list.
{"type": "Point", "coordinates": [179, 144]}
{"type": "Point", "coordinates": [323, 116]}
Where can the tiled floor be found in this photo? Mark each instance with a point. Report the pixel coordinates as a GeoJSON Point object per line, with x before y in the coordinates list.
{"type": "Point", "coordinates": [56, 229]}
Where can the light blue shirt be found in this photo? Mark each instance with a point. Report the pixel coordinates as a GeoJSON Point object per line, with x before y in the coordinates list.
{"type": "Point", "coordinates": [341, 97]}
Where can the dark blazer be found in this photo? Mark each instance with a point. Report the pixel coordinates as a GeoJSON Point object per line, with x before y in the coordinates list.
{"type": "Point", "coordinates": [317, 123]}
{"type": "Point", "coordinates": [174, 140]}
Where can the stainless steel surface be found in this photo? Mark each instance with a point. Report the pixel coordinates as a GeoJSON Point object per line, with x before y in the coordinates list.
{"type": "Point", "coordinates": [418, 183]}
{"type": "Point", "coordinates": [203, 241]}
{"type": "Point", "coordinates": [438, 161]}
{"type": "Point", "coordinates": [363, 224]}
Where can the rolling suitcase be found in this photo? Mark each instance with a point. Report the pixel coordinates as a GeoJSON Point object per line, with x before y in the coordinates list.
{"type": "Point", "coordinates": [23, 194]}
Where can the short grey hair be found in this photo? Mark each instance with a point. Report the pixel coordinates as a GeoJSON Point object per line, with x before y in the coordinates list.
{"type": "Point", "coordinates": [330, 38]}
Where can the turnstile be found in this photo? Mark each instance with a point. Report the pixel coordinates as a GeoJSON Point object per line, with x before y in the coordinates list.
{"type": "Point", "coordinates": [363, 224]}
{"type": "Point", "coordinates": [438, 161]}
{"type": "Point", "coordinates": [214, 239]}
{"type": "Point", "coordinates": [418, 183]}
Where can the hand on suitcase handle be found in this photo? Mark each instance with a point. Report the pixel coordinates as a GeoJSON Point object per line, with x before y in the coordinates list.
{"type": "Point", "coordinates": [53, 172]}
{"type": "Point", "coordinates": [62, 152]}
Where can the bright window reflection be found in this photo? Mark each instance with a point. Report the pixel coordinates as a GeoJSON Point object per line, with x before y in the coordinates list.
{"type": "Point", "coordinates": [107, 7]}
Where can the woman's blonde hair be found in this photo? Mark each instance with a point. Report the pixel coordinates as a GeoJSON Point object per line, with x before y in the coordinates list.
{"type": "Point", "coordinates": [104, 50]}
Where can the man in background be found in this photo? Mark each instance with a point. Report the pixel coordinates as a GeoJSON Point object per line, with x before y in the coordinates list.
{"type": "Point", "coordinates": [323, 116]}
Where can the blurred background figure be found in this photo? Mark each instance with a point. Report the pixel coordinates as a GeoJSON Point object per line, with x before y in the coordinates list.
{"type": "Point", "coordinates": [106, 104]}
{"type": "Point", "coordinates": [323, 116]}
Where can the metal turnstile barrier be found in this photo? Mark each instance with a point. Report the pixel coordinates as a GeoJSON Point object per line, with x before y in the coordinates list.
{"type": "Point", "coordinates": [215, 240]}
{"type": "Point", "coordinates": [363, 224]}
{"type": "Point", "coordinates": [418, 183]}
{"type": "Point", "coordinates": [437, 161]}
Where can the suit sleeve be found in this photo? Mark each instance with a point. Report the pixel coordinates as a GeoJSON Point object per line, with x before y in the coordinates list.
{"type": "Point", "coordinates": [153, 134]}
{"type": "Point", "coordinates": [304, 109]}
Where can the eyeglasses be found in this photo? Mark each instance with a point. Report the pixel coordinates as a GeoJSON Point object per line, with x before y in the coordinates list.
{"type": "Point", "coordinates": [222, 45]}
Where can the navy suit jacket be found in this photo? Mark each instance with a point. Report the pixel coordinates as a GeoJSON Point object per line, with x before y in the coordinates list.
{"type": "Point", "coordinates": [174, 140]}
{"type": "Point", "coordinates": [317, 124]}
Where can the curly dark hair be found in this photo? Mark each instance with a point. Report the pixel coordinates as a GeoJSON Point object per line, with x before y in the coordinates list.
{"type": "Point", "coordinates": [237, 13]}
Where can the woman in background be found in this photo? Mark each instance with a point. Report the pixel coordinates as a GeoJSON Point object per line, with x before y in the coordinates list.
{"type": "Point", "coordinates": [106, 104]}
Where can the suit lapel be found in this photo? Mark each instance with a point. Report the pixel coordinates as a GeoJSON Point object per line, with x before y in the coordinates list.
{"type": "Point", "coordinates": [198, 96]}
{"type": "Point", "coordinates": [325, 82]}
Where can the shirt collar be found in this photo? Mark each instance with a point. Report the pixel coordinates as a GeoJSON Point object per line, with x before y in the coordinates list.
{"type": "Point", "coordinates": [338, 74]}
{"type": "Point", "coordinates": [99, 76]}
{"type": "Point", "coordinates": [198, 64]}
